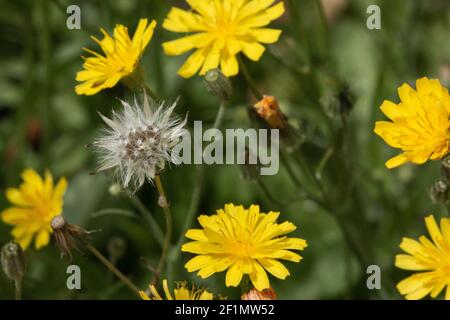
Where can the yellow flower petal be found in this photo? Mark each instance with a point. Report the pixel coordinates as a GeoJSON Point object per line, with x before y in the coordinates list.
{"type": "Point", "coordinates": [42, 239]}
{"type": "Point", "coordinates": [229, 65]}
{"type": "Point", "coordinates": [253, 50]}
{"type": "Point", "coordinates": [234, 275]}
{"type": "Point", "coordinates": [16, 197]}
{"type": "Point", "coordinates": [396, 161]}
{"type": "Point", "coordinates": [408, 262]}
{"type": "Point", "coordinates": [193, 63]}
{"type": "Point", "coordinates": [275, 268]}
{"type": "Point", "coordinates": [259, 277]}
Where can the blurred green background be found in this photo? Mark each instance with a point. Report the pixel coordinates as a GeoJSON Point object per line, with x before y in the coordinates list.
{"type": "Point", "coordinates": [330, 79]}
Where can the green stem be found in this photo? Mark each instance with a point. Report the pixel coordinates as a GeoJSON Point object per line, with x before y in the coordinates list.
{"type": "Point", "coordinates": [156, 230]}
{"type": "Point", "coordinates": [248, 78]}
{"type": "Point", "coordinates": [112, 268]}
{"type": "Point", "coordinates": [18, 289]}
{"type": "Point", "coordinates": [163, 202]}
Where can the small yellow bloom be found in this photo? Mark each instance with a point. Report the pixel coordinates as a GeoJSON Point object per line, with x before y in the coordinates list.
{"type": "Point", "coordinates": [122, 55]}
{"type": "Point", "coordinates": [181, 293]}
{"type": "Point", "coordinates": [36, 202]}
{"type": "Point", "coordinates": [430, 257]}
{"type": "Point", "coordinates": [220, 30]}
{"type": "Point", "coordinates": [420, 123]}
{"type": "Point", "coordinates": [244, 241]}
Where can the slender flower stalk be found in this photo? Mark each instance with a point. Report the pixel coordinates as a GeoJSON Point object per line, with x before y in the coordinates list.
{"type": "Point", "coordinates": [112, 268]}
{"type": "Point", "coordinates": [249, 80]}
{"type": "Point", "coordinates": [164, 204]}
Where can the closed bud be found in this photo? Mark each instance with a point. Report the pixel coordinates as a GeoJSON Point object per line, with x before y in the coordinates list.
{"type": "Point", "coordinates": [116, 248]}
{"type": "Point", "coordinates": [218, 84]}
{"type": "Point", "coordinates": [339, 103]}
{"type": "Point", "coordinates": [253, 294]}
{"type": "Point", "coordinates": [445, 168]}
{"type": "Point", "coordinates": [13, 261]}
{"type": "Point", "coordinates": [439, 191]}
{"type": "Point", "coordinates": [115, 189]}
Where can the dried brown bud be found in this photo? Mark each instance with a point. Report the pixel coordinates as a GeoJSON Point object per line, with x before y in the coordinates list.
{"type": "Point", "coordinates": [253, 294]}
{"type": "Point", "coordinates": [67, 236]}
{"type": "Point", "coordinates": [13, 261]}
{"type": "Point", "coordinates": [269, 110]}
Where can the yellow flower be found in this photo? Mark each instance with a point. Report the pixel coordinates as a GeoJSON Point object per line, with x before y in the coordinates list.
{"type": "Point", "coordinates": [220, 30]}
{"type": "Point", "coordinates": [122, 55]}
{"type": "Point", "coordinates": [433, 258]}
{"type": "Point", "coordinates": [420, 123]}
{"type": "Point", "coordinates": [244, 241]}
{"type": "Point", "coordinates": [35, 203]}
{"type": "Point", "coordinates": [181, 293]}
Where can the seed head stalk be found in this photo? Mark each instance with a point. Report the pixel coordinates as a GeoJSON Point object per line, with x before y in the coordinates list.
{"type": "Point", "coordinates": [163, 202]}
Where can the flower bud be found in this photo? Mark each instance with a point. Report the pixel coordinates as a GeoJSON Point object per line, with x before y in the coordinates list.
{"type": "Point", "coordinates": [67, 236]}
{"type": "Point", "coordinates": [218, 84]}
{"type": "Point", "coordinates": [115, 189]}
{"type": "Point", "coordinates": [13, 261]}
{"type": "Point", "coordinates": [445, 168]}
{"type": "Point", "coordinates": [439, 191]}
{"type": "Point", "coordinates": [116, 248]}
{"type": "Point", "coordinates": [253, 294]}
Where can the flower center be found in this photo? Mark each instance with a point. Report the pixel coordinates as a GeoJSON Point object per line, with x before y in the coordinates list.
{"type": "Point", "coordinates": [141, 144]}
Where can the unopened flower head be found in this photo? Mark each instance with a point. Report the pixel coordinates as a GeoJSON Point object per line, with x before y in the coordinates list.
{"type": "Point", "coordinates": [420, 123]}
{"type": "Point", "coordinates": [244, 241]}
{"type": "Point", "coordinates": [430, 258]}
{"type": "Point", "coordinates": [182, 292]}
{"type": "Point", "coordinates": [121, 60]}
{"type": "Point", "coordinates": [13, 261]}
{"type": "Point", "coordinates": [35, 203]}
{"type": "Point", "coordinates": [138, 141]}
{"type": "Point", "coordinates": [221, 29]}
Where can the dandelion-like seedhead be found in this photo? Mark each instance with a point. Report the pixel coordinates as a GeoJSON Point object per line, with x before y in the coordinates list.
{"type": "Point", "coordinates": [138, 141]}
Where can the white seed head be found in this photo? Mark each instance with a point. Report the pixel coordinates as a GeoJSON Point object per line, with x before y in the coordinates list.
{"type": "Point", "coordinates": [138, 141]}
